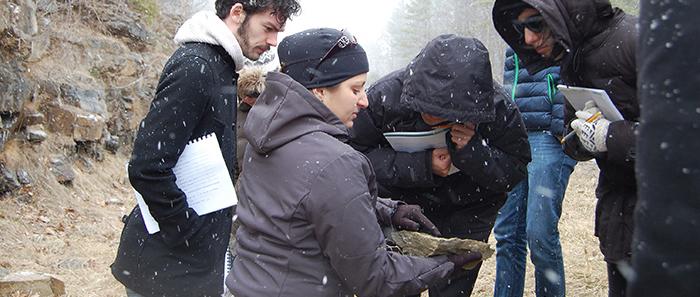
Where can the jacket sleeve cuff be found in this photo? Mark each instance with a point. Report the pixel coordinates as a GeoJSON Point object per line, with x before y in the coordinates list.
{"type": "Point", "coordinates": [385, 210]}
{"type": "Point", "coordinates": [179, 228]}
{"type": "Point", "coordinates": [621, 142]}
{"type": "Point", "coordinates": [418, 168]}
{"type": "Point", "coordinates": [572, 148]}
{"type": "Point", "coordinates": [473, 151]}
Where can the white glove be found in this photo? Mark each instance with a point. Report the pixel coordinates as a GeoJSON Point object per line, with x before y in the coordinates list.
{"type": "Point", "coordinates": [592, 135]}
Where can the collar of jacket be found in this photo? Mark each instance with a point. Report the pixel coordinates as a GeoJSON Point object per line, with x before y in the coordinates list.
{"type": "Point", "coordinates": [207, 27]}
{"type": "Point", "coordinates": [285, 111]}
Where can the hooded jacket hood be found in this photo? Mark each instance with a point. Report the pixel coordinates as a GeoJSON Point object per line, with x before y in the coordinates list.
{"type": "Point", "coordinates": [286, 111]}
{"type": "Point", "coordinates": [207, 27]}
{"type": "Point", "coordinates": [571, 22]}
{"type": "Point", "coordinates": [451, 78]}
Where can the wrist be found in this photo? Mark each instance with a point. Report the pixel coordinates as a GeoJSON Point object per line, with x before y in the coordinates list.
{"type": "Point", "coordinates": [396, 208]}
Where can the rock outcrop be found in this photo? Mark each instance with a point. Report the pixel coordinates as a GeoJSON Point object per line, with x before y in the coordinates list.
{"type": "Point", "coordinates": [80, 70]}
{"type": "Point", "coordinates": [31, 284]}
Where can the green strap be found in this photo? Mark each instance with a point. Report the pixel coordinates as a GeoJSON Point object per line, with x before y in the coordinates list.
{"type": "Point", "coordinates": [515, 77]}
{"type": "Point", "coordinates": [551, 88]}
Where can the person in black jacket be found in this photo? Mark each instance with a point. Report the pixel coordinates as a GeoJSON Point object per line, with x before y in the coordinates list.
{"type": "Point", "coordinates": [448, 83]}
{"type": "Point", "coordinates": [195, 97]}
{"type": "Point", "coordinates": [665, 257]}
{"type": "Point", "coordinates": [595, 45]}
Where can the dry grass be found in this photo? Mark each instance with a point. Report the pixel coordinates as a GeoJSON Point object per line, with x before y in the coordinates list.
{"type": "Point", "coordinates": [585, 270]}
{"type": "Point", "coordinates": [72, 232]}
{"type": "Point", "coordinates": [69, 231]}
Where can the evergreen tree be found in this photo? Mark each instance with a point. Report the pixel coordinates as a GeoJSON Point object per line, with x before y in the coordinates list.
{"type": "Point", "coordinates": [415, 22]}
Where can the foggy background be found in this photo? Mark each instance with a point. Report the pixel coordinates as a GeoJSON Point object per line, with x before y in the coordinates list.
{"type": "Point", "coordinates": [393, 31]}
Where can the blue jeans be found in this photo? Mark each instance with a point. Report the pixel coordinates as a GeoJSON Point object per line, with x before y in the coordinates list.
{"type": "Point", "coordinates": [530, 217]}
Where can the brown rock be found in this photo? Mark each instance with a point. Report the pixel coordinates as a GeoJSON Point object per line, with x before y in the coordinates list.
{"type": "Point", "coordinates": [60, 118]}
{"type": "Point", "coordinates": [88, 127]}
{"type": "Point", "coordinates": [424, 245]}
{"type": "Point", "coordinates": [31, 283]}
{"type": "Point", "coordinates": [73, 121]}
{"type": "Point", "coordinates": [35, 133]}
{"type": "Point", "coordinates": [32, 117]}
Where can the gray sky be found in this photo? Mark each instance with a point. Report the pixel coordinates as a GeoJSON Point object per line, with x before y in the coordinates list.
{"type": "Point", "coordinates": [366, 19]}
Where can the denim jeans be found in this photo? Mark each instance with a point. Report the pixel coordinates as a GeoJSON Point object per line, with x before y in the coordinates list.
{"type": "Point", "coordinates": [530, 217]}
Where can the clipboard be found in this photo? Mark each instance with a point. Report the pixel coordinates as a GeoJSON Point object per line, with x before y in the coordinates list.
{"type": "Point", "coordinates": [578, 96]}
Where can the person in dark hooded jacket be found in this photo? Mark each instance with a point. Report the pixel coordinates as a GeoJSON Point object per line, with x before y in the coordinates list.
{"type": "Point", "coordinates": [195, 97]}
{"type": "Point", "coordinates": [594, 44]}
{"type": "Point", "coordinates": [308, 207]}
{"type": "Point", "coordinates": [665, 257]}
{"type": "Point", "coordinates": [448, 82]}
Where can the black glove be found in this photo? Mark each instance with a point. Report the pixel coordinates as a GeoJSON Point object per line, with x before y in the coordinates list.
{"type": "Point", "coordinates": [464, 261]}
{"type": "Point", "coordinates": [410, 217]}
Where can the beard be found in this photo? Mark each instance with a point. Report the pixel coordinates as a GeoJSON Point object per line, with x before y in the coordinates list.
{"type": "Point", "coordinates": [243, 32]}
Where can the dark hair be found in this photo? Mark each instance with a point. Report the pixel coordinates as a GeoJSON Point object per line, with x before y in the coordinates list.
{"type": "Point", "coordinates": [283, 9]}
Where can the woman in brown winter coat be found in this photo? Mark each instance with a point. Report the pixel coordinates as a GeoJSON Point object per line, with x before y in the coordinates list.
{"type": "Point", "coordinates": [308, 202]}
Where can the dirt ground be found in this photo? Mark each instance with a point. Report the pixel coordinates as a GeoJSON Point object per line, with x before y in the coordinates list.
{"type": "Point", "coordinates": [584, 268]}
{"type": "Point", "coordinates": [73, 232]}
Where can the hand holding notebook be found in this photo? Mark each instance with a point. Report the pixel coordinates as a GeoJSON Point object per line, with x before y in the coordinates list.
{"type": "Point", "coordinates": [202, 175]}
{"type": "Point", "coordinates": [411, 142]}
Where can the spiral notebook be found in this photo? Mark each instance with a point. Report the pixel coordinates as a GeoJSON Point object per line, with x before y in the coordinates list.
{"type": "Point", "coordinates": [204, 178]}
{"type": "Point", "coordinates": [411, 142]}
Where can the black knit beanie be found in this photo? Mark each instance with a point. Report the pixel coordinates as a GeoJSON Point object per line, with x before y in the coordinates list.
{"type": "Point", "coordinates": [300, 54]}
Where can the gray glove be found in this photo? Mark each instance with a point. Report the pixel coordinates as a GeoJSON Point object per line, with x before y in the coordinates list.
{"type": "Point", "coordinates": [464, 261]}
{"type": "Point", "coordinates": [410, 217]}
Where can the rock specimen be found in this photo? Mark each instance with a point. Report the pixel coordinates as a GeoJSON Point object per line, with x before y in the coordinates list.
{"type": "Point", "coordinates": [425, 245]}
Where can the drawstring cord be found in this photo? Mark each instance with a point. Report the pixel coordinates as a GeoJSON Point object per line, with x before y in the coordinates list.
{"type": "Point", "coordinates": [515, 77]}
{"type": "Point", "coordinates": [551, 88]}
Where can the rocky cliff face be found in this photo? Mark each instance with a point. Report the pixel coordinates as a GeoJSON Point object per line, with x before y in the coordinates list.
{"type": "Point", "coordinates": [76, 77]}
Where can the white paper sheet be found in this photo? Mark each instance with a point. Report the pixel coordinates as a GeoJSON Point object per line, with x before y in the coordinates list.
{"type": "Point", "coordinates": [202, 175]}
{"type": "Point", "coordinates": [578, 97]}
